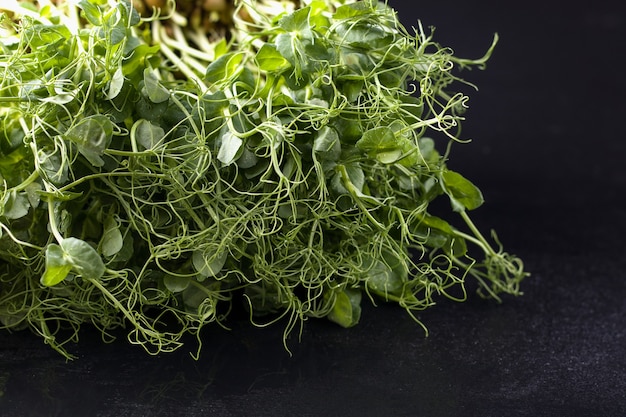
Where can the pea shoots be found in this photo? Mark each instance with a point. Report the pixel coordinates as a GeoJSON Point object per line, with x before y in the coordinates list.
{"type": "Point", "coordinates": [157, 175]}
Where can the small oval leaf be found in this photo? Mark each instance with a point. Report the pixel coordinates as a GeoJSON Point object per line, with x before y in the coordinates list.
{"type": "Point", "coordinates": [84, 259]}
{"type": "Point", "coordinates": [347, 309]}
{"type": "Point", "coordinates": [57, 267]}
{"type": "Point", "coordinates": [175, 284]}
{"type": "Point", "coordinates": [229, 148]}
{"type": "Point", "coordinates": [153, 88]}
{"type": "Point", "coordinates": [112, 240]}
{"type": "Point", "coordinates": [208, 263]}
{"type": "Point", "coordinates": [463, 194]}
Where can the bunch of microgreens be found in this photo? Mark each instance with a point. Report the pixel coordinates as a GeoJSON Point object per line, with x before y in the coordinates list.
{"type": "Point", "coordinates": [156, 178]}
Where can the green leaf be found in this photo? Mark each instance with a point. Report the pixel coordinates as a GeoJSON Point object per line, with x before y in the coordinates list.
{"type": "Point", "coordinates": [457, 246]}
{"type": "Point", "coordinates": [413, 105]}
{"type": "Point", "coordinates": [318, 16]}
{"type": "Point", "coordinates": [115, 35]}
{"type": "Point", "coordinates": [386, 276]}
{"type": "Point", "coordinates": [437, 223]}
{"type": "Point", "coordinates": [91, 12]}
{"type": "Point", "coordinates": [298, 22]}
{"type": "Point", "coordinates": [350, 179]}
{"type": "Point", "coordinates": [61, 97]}
{"type": "Point", "coordinates": [350, 10]}
{"type": "Point", "coordinates": [213, 105]}
{"type": "Point", "coordinates": [389, 157]}
{"type": "Point", "coordinates": [352, 89]}
{"type": "Point", "coordinates": [197, 300]}
{"type": "Point", "coordinates": [149, 110]}
{"type": "Point", "coordinates": [355, 178]}
{"type": "Point", "coordinates": [349, 129]}
{"type": "Point", "coordinates": [229, 148]}
{"type": "Point", "coordinates": [327, 144]}
{"type": "Point", "coordinates": [440, 234]}
{"type": "Point", "coordinates": [57, 266]}
{"type": "Point", "coordinates": [129, 15]}
{"type": "Point", "coordinates": [137, 59]}
{"type": "Point", "coordinates": [383, 144]}
{"type": "Point", "coordinates": [224, 67]}
{"type": "Point", "coordinates": [388, 147]}
{"type": "Point", "coordinates": [116, 83]}
{"type": "Point", "coordinates": [176, 284]}
{"type": "Point", "coordinates": [147, 134]}
{"type": "Point", "coordinates": [378, 139]}
{"type": "Point", "coordinates": [92, 135]}
{"type": "Point", "coordinates": [436, 231]}
{"type": "Point", "coordinates": [347, 309]}
{"type": "Point", "coordinates": [259, 167]}
{"type": "Point", "coordinates": [208, 263]}
{"type": "Point", "coordinates": [153, 88]}
{"type": "Point", "coordinates": [320, 50]}
{"type": "Point", "coordinates": [293, 44]}
{"type": "Point", "coordinates": [287, 46]}
{"type": "Point", "coordinates": [33, 193]}
{"type": "Point", "coordinates": [220, 48]}
{"type": "Point", "coordinates": [112, 240]}
{"type": "Point", "coordinates": [427, 150]}
{"type": "Point", "coordinates": [83, 257]}
{"type": "Point", "coordinates": [247, 159]}
{"type": "Point", "coordinates": [46, 36]}
{"type": "Point", "coordinates": [463, 194]}
{"type": "Point", "coordinates": [359, 63]}
{"type": "Point", "coordinates": [127, 250]}
{"type": "Point", "coordinates": [9, 162]}
{"type": "Point", "coordinates": [269, 59]}
{"type": "Point", "coordinates": [364, 35]}
{"type": "Point", "coordinates": [14, 205]}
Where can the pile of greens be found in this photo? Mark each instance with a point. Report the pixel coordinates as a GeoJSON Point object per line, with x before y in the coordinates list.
{"type": "Point", "coordinates": [157, 177]}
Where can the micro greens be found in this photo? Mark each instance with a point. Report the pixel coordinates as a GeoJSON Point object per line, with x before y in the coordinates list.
{"type": "Point", "coordinates": [155, 176]}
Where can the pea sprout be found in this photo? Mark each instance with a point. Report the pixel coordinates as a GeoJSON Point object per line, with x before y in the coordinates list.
{"type": "Point", "coordinates": [157, 175]}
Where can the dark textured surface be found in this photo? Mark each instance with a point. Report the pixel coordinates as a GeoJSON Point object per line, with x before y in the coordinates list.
{"type": "Point", "coordinates": [549, 155]}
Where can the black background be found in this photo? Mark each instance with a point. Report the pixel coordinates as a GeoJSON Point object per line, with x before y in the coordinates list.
{"type": "Point", "coordinates": [548, 152]}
